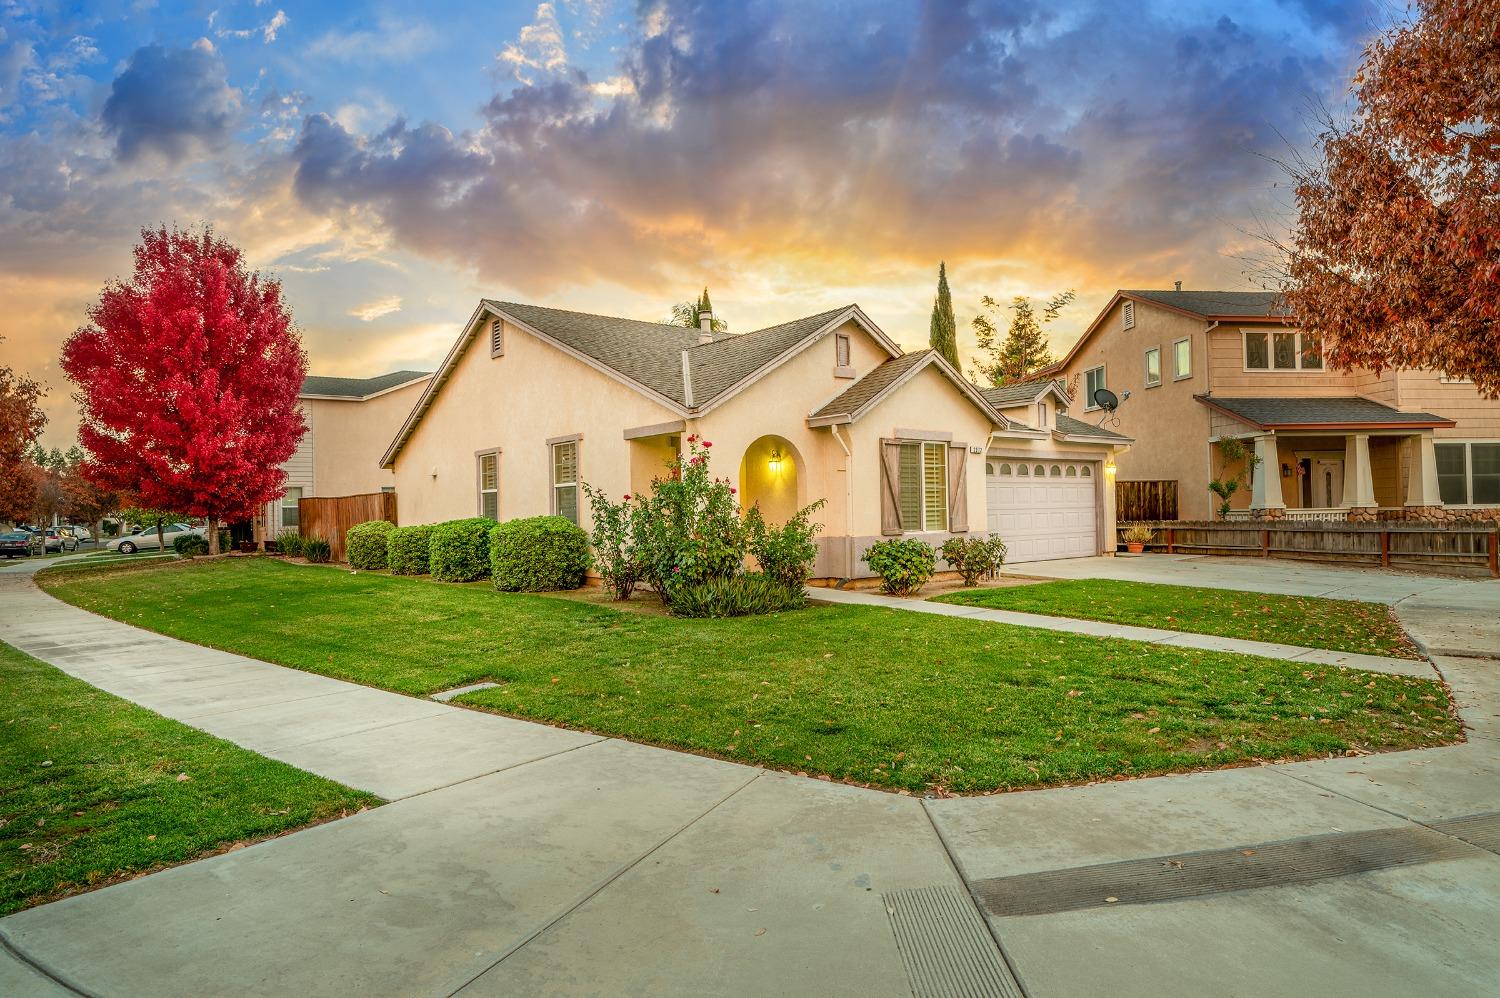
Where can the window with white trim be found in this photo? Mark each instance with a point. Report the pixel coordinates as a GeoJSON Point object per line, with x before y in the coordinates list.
{"type": "Point", "coordinates": [1281, 350]}
{"type": "Point", "coordinates": [1041, 415]}
{"type": "Point", "coordinates": [1093, 380]}
{"type": "Point", "coordinates": [291, 513]}
{"type": "Point", "coordinates": [1127, 313]}
{"type": "Point", "coordinates": [1153, 367]}
{"type": "Point", "coordinates": [1469, 473]}
{"type": "Point", "coordinates": [1182, 358]}
{"type": "Point", "coordinates": [489, 485]}
{"type": "Point", "coordinates": [924, 486]}
{"type": "Point", "coordinates": [565, 480]}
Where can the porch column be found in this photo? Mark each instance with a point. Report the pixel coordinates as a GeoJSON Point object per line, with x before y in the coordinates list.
{"type": "Point", "coordinates": [1265, 481]}
{"type": "Point", "coordinates": [1422, 478]}
{"type": "Point", "coordinates": [1359, 483]}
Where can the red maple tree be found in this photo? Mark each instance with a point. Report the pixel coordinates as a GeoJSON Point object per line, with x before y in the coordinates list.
{"type": "Point", "coordinates": [1394, 260]}
{"type": "Point", "coordinates": [21, 422]}
{"type": "Point", "coordinates": [187, 379]}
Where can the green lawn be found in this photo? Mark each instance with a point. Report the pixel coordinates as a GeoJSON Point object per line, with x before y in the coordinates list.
{"type": "Point", "coordinates": [885, 697]}
{"type": "Point", "coordinates": [94, 789]}
{"type": "Point", "coordinates": [1342, 625]}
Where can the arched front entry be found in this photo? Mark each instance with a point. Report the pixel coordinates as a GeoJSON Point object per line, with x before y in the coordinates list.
{"type": "Point", "coordinates": [769, 475]}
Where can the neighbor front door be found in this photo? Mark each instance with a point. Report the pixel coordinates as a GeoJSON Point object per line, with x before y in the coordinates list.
{"type": "Point", "coordinates": [1325, 483]}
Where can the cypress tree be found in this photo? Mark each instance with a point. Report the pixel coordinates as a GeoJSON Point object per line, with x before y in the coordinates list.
{"type": "Point", "coordinates": [943, 332]}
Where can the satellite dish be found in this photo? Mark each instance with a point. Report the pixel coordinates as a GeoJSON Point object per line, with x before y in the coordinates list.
{"type": "Point", "coordinates": [1106, 399]}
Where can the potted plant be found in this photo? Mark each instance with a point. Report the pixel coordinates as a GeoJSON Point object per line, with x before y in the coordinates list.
{"type": "Point", "coordinates": [1136, 537]}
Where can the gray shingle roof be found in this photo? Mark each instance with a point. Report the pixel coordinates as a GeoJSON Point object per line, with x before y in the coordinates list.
{"type": "Point", "coordinates": [859, 394]}
{"type": "Point", "coordinates": [1018, 392]}
{"type": "Point", "coordinates": [1337, 411]}
{"type": "Point", "coordinates": [1239, 304]}
{"type": "Point", "coordinates": [1077, 427]}
{"type": "Point", "coordinates": [650, 353]}
{"type": "Point", "coordinates": [357, 388]}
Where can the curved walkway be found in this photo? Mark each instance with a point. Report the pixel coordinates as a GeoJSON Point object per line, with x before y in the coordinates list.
{"type": "Point", "coordinates": [520, 859]}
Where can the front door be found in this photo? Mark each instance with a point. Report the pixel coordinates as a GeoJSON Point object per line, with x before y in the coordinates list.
{"type": "Point", "coordinates": [1325, 483]}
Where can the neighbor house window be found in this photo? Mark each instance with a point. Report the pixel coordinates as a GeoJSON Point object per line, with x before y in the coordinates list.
{"type": "Point", "coordinates": [565, 480]}
{"type": "Point", "coordinates": [1282, 351]}
{"type": "Point", "coordinates": [1041, 415]}
{"type": "Point", "coordinates": [489, 486]}
{"type": "Point", "coordinates": [1469, 473]}
{"type": "Point", "coordinates": [1153, 367]}
{"type": "Point", "coordinates": [1093, 380]}
{"type": "Point", "coordinates": [1127, 313]}
{"type": "Point", "coordinates": [924, 486]}
{"type": "Point", "coordinates": [1182, 358]}
{"type": "Point", "coordinates": [291, 514]}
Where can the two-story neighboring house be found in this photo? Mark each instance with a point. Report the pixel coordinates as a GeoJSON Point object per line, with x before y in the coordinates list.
{"type": "Point", "coordinates": [350, 421]}
{"type": "Point", "coordinates": [1205, 366]}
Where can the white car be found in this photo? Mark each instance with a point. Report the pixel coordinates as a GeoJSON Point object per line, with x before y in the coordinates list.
{"type": "Point", "coordinates": [144, 538]}
{"type": "Point", "coordinates": [80, 534]}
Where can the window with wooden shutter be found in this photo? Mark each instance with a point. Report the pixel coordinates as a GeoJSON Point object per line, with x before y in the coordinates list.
{"type": "Point", "coordinates": [911, 486]}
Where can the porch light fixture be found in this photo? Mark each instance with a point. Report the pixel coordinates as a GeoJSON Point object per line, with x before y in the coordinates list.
{"type": "Point", "coordinates": [1109, 467]}
{"type": "Point", "coordinates": [775, 462]}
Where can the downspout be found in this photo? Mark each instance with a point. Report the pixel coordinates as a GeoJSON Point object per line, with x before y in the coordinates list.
{"type": "Point", "coordinates": [848, 500]}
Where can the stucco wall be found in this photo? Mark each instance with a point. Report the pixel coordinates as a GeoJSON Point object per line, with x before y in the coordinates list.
{"type": "Point", "coordinates": [350, 437]}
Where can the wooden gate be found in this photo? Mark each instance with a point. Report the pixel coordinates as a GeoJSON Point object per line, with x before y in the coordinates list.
{"type": "Point", "coordinates": [1145, 501]}
{"type": "Point", "coordinates": [330, 517]}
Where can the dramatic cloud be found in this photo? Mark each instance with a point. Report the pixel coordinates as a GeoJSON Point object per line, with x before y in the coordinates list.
{"type": "Point", "coordinates": [170, 100]}
{"type": "Point", "coordinates": [377, 308]}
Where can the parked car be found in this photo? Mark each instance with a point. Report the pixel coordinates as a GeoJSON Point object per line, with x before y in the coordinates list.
{"type": "Point", "coordinates": [81, 534]}
{"type": "Point", "coordinates": [56, 540]}
{"type": "Point", "coordinates": [144, 538]}
{"type": "Point", "coordinates": [21, 544]}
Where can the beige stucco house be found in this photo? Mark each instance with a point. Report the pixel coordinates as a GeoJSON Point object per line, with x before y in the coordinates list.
{"type": "Point", "coordinates": [349, 425]}
{"type": "Point", "coordinates": [531, 402]}
{"type": "Point", "coordinates": [1203, 366]}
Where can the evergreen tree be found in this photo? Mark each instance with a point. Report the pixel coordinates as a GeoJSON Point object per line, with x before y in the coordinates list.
{"type": "Point", "coordinates": [943, 332]}
{"type": "Point", "coordinates": [1024, 350]}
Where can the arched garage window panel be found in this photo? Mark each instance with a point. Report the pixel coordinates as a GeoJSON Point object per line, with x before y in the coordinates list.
{"type": "Point", "coordinates": [1039, 471]}
{"type": "Point", "coordinates": [1023, 470]}
{"type": "Point", "coordinates": [1056, 471]}
{"type": "Point", "coordinates": [1072, 472]}
{"type": "Point", "coordinates": [989, 468]}
{"type": "Point", "coordinates": [1005, 469]}
{"type": "Point", "coordinates": [1087, 472]}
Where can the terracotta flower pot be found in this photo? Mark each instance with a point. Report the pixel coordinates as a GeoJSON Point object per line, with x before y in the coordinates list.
{"type": "Point", "coordinates": [1134, 547]}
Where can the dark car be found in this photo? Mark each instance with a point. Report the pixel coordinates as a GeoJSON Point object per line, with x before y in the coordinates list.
{"type": "Point", "coordinates": [58, 541]}
{"type": "Point", "coordinates": [20, 543]}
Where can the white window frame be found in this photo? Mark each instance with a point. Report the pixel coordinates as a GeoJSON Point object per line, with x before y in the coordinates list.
{"type": "Point", "coordinates": [1146, 359]}
{"type": "Point", "coordinates": [291, 505]}
{"type": "Point", "coordinates": [1178, 374]}
{"type": "Point", "coordinates": [1088, 396]}
{"type": "Point", "coordinates": [924, 448]}
{"type": "Point", "coordinates": [1468, 446]}
{"type": "Point", "coordinates": [479, 490]}
{"type": "Point", "coordinates": [1041, 414]}
{"type": "Point", "coordinates": [557, 487]}
{"type": "Point", "coordinates": [1271, 367]}
{"type": "Point", "coordinates": [1127, 314]}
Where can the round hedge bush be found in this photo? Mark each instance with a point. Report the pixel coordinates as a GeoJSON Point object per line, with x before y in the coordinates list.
{"type": "Point", "coordinates": [365, 544]}
{"type": "Point", "coordinates": [459, 550]}
{"type": "Point", "coordinates": [407, 549]}
{"type": "Point", "coordinates": [538, 554]}
{"type": "Point", "coordinates": [190, 545]}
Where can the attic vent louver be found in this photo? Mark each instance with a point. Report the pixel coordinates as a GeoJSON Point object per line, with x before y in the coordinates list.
{"type": "Point", "coordinates": [1128, 312]}
{"type": "Point", "coordinates": [497, 338]}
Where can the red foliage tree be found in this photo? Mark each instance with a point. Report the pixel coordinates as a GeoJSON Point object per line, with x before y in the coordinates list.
{"type": "Point", "coordinates": [1394, 260]}
{"type": "Point", "coordinates": [188, 377]}
{"type": "Point", "coordinates": [21, 422]}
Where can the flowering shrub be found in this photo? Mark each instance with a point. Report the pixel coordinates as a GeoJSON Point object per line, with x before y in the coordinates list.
{"type": "Point", "coordinates": [612, 542]}
{"type": "Point", "coordinates": [972, 557]}
{"type": "Point", "coordinates": [903, 564]}
{"type": "Point", "coordinates": [689, 529]}
{"type": "Point", "coordinates": [785, 553]}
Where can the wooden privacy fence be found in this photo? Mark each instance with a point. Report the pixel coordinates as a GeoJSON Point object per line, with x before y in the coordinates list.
{"type": "Point", "coordinates": [1146, 500]}
{"type": "Point", "coordinates": [330, 517]}
{"type": "Point", "coordinates": [1471, 546]}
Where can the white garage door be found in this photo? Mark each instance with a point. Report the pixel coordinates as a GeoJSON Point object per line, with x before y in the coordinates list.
{"type": "Point", "coordinates": [1043, 509]}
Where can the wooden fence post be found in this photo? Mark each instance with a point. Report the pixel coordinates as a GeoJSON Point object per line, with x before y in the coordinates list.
{"type": "Point", "coordinates": [1171, 540]}
{"type": "Point", "coordinates": [1265, 544]}
{"type": "Point", "coordinates": [1385, 549]}
{"type": "Point", "coordinates": [1492, 542]}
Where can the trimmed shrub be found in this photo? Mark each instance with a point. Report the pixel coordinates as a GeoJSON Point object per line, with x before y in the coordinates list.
{"type": "Point", "coordinates": [191, 545]}
{"type": "Point", "coordinates": [316, 549]}
{"type": "Point", "coordinates": [459, 550]}
{"type": "Point", "coordinates": [613, 539]}
{"type": "Point", "coordinates": [903, 564]}
{"type": "Point", "coordinates": [785, 553]}
{"type": "Point", "coordinates": [973, 557]}
{"type": "Point", "coordinates": [365, 544]}
{"type": "Point", "coordinates": [289, 544]}
{"type": "Point", "coordinates": [737, 596]}
{"type": "Point", "coordinates": [407, 549]}
{"type": "Point", "coordinates": [538, 554]}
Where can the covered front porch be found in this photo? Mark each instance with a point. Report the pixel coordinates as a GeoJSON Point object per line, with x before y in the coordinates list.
{"type": "Point", "coordinates": [1328, 459]}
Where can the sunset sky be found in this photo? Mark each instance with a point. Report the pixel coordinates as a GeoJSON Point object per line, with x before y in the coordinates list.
{"type": "Point", "coordinates": [391, 163]}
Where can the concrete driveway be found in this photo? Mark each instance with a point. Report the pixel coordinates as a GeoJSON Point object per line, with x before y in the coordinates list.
{"type": "Point", "coordinates": [521, 859]}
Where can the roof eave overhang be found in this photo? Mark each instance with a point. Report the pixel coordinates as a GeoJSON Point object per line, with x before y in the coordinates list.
{"type": "Point", "coordinates": [1084, 438]}
{"type": "Point", "coordinates": [1404, 425]}
{"type": "Point", "coordinates": [362, 398]}
{"type": "Point", "coordinates": [995, 417]}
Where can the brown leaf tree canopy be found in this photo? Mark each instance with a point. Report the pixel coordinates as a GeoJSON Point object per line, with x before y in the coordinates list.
{"type": "Point", "coordinates": [21, 422]}
{"type": "Point", "coordinates": [1394, 260]}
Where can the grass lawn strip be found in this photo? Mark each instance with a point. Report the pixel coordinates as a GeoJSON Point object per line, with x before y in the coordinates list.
{"type": "Point", "coordinates": [881, 697]}
{"type": "Point", "coordinates": [1307, 621]}
{"type": "Point", "coordinates": [94, 789]}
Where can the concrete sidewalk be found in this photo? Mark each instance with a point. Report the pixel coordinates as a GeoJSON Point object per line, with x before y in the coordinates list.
{"type": "Point", "coordinates": [523, 859]}
{"type": "Point", "coordinates": [1127, 632]}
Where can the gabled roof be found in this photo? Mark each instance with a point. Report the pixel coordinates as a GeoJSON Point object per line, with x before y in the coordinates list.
{"type": "Point", "coordinates": [1018, 393]}
{"type": "Point", "coordinates": [1218, 304]}
{"type": "Point", "coordinates": [1071, 428]}
{"type": "Point", "coordinates": [318, 386]}
{"type": "Point", "coordinates": [669, 364]}
{"type": "Point", "coordinates": [866, 393]}
{"type": "Point", "coordinates": [1320, 413]}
